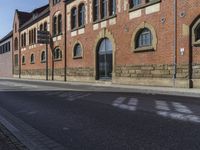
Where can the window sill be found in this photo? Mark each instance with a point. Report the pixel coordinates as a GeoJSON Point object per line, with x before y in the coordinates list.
{"type": "Point", "coordinates": [104, 19]}
{"type": "Point", "coordinates": [23, 64]}
{"type": "Point", "coordinates": [32, 63]}
{"type": "Point", "coordinates": [56, 35]}
{"type": "Point", "coordinates": [77, 57]}
{"type": "Point", "coordinates": [78, 28]}
{"type": "Point", "coordinates": [144, 49]}
{"type": "Point", "coordinates": [196, 43]}
{"type": "Point", "coordinates": [144, 5]}
{"type": "Point", "coordinates": [44, 61]}
{"type": "Point", "coordinates": [58, 59]}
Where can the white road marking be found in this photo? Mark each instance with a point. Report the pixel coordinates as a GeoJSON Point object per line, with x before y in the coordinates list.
{"type": "Point", "coordinates": [63, 95]}
{"type": "Point", "coordinates": [162, 105]}
{"type": "Point", "coordinates": [119, 100]}
{"type": "Point", "coordinates": [133, 101]}
{"type": "Point", "coordinates": [131, 105]}
{"type": "Point", "coordinates": [194, 118]}
{"type": "Point", "coordinates": [181, 108]}
{"type": "Point", "coordinates": [181, 112]}
{"type": "Point", "coordinates": [78, 97]}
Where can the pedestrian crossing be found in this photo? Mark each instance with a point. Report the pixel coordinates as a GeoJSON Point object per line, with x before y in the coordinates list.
{"type": "Point", "coordinates": [163, 108]}
{"type": "Point", "coordinates": [167, 109]}
{"type": "Point", "coordinates": [120, 102]}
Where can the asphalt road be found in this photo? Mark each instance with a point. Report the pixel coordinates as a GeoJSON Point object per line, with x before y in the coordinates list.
{"type": "Point", "coordinates": [84, 118]}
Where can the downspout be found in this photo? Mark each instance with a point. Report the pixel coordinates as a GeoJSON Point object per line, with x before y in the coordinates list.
{"type": "Point", "coordinates": [175, 44]}
{"type": "Point", "coordinates": [19, 46]}
{"type": "Point", "coordinates": [65, 44]}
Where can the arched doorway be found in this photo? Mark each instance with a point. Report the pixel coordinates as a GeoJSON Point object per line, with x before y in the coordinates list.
{"type": "Point", "coordinates": [104, 59]}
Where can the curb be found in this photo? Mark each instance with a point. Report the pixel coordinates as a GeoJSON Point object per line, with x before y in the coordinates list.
{"type": "Point", "coordinates": [110, 87]}
{"type": "Point", "coordinates": [12, 142]}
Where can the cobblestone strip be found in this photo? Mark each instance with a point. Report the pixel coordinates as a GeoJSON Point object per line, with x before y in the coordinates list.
{"type": "Point", "coordinates": [30, 137]}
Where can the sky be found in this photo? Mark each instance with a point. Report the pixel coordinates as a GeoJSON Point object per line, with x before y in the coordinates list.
{"type": "Point", "coordinates": [7, 11]}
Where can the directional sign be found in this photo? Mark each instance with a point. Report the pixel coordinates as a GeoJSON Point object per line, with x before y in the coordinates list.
{"type": "Point", "coordinates": [43, 37]}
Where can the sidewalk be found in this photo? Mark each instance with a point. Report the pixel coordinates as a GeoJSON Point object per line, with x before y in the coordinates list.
{"type": "Point", "coordinates": [110, 87]}
{"type": "Point", "coordinates": [8, 141]}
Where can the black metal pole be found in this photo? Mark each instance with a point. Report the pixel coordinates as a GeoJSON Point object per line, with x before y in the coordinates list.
{"type": "Point", "coordinates": [47, 56]}
{"type": "Point", "coordinates": [53, 65]}
{"type": "Point", "coordinates": [65, 40]}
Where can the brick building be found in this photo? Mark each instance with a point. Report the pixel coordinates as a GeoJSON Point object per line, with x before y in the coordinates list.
{"type": "Point", "coordinates": [138, 42]}
{"type": "Point", "coordinates": [6, 56]}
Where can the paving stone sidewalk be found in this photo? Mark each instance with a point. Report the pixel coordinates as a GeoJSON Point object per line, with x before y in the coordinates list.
{"type": "Point", "coordinates": [8, 141]}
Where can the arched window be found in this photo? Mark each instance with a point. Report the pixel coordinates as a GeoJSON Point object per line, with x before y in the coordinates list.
{"type": "Point", "coordinates": [57, 54]}
{"type": "Point", "coordinates": [55, 2]}
{"type": "Point", "coordinates": [45, 26]}
{"type": "Point", "coordinates": [24, 39]}
{"type": "Point", "coordinates": [41, 27]}
{"type": "Point", "coordinates": [23, 60]}
{"type": "Point", "coordinates": [32, 58]}
{"type": "Point", "coordinates": [78, 52]}
{"type": "Point", "coordinates": [95, 10]}
{"type": "Point", "coordinates": [112, 7]}
{"type": "Point", "coordinates": [134, 3]}
{"type": "Point", "coordinates": [73, 17]}
{"type": "Point", "coordinates": [144, 38]}
{"type": "Point", "coordinates": [54, 25]}
{"type": "Point", "coordinates": [81, 15]}
{"type": "Point", "coordinates": [16, 44]}
{"type": "Point", "coordinates": [34, 36]}
{"type": "Point", "coordinates": [197, 33]}
{"type": "Point", "coordinates": [30, 36]}
{"type": "Point", "coordinates": [104, 8]}
{"type": "Point", "coordinates": [59, 24]}
{"type": "Point", "coordinates": [105, 59]}
{"type": "Point", "coordinates": [43, 56]}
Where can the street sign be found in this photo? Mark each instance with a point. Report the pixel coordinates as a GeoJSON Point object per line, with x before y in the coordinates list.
{"type": "Point", "coordinates": [43, 37]}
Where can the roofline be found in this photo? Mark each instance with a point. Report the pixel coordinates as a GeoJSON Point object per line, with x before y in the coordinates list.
{"type": "Point", "coordinates": [34, 21]}
{"type": "Point", "coordinates": [9, 35]}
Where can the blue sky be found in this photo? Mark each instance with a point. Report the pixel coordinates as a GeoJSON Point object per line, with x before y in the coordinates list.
{"type": "Point", "coordinates": [7, 10]}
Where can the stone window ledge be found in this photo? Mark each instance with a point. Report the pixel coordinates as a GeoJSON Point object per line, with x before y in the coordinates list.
{"type": "Point", "coordinates": [104, 19]}
{"type": "Point", "coordinates": [59, 59]}
{"type": "Point", "coordinates": [144, 49]}
{"type": "Point", "coordinates": [77, 57]}
{"type": "Point", "coordinates": [144, 5]}
{"type": "Point", "coordinates": [56, 35]}
{"type": "Point", "coordinates": [197, 43]}
{"type": "Point", "coordinates": [43, 61]}
{"type": "Point", "coordinates": [78, 28]}
{"type": "Point", "coordinates": [32, 63]}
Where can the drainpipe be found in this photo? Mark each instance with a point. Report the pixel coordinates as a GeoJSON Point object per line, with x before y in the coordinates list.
{"type": "Point", "coordinates": [19, 46]}
{"type": "Point", "coordinates": [175, 43]}
{"type": "Point", "coordinates": [65, 44]}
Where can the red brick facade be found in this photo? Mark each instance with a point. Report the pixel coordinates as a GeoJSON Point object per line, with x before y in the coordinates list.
{"type": "Point", "coordinates": [172, 59]}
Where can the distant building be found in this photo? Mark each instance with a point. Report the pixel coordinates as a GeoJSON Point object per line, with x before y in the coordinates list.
{"type": "Point", "coordinates": [137, 42]}
{"type": "Point", "coordinates": [6, 56]}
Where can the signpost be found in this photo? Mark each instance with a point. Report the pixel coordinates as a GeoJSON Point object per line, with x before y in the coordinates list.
{"type": "Point", "coordinates": [43, 37]}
